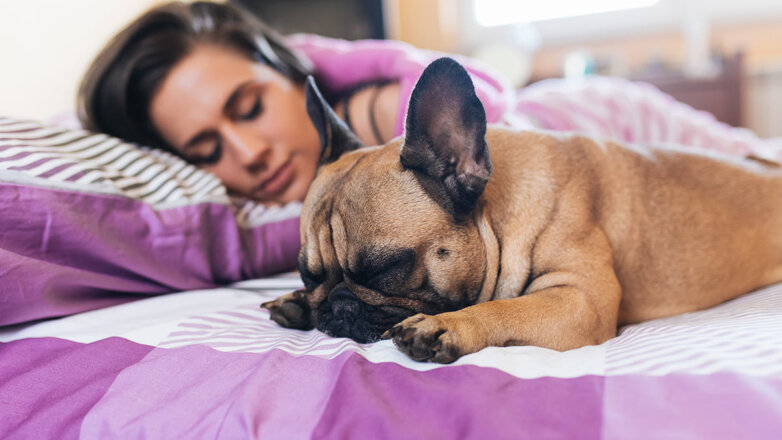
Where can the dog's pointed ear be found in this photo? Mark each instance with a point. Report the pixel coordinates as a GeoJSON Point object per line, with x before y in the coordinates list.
{"type": "Point", "coordinates": [335, 136]}
{"type": "Point", "coordinates": [445, 138]}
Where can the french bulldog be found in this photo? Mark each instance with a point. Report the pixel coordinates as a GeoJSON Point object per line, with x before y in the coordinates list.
{"type": "Point", "coordinates": [458, 236]}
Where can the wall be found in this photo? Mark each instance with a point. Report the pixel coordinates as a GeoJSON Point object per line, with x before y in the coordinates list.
{"type": "Point", "coordinates": [429, 24]}
{"type": "Point", "coordinates": [45, 46]}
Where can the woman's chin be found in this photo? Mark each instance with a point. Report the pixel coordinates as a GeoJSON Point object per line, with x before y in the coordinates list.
{"type": "Point", "coordinates": [291, 194]}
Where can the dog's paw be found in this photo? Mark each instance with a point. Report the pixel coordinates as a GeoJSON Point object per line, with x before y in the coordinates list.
{"type": "Point", "coordinates": [426, 338]}
{"type": "Point", "coordinates": [290, 311]}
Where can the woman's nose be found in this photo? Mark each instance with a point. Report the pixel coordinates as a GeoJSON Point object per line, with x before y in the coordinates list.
{"type": "Point", "coordinates": [252, 151]}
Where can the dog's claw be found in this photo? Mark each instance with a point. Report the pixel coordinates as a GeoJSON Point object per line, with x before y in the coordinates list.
{"type": "Point", "coordinates": [266, 305]}
{"type": "Point", "coordinates": [408, 334]}
{"type": "Point", "coordinates": [425, 338]}
{"type": "Point", "coordinates": [290, 312]}
{"type": "Point", "coordinates": [393, 332]}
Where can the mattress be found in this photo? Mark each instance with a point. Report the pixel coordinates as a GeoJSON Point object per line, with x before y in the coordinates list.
{"type": "Point", "coordinates": [210, 364]}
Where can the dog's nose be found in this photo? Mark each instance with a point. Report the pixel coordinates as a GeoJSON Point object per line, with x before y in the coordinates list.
{"type": "Point", "coordinates": [343, 302]}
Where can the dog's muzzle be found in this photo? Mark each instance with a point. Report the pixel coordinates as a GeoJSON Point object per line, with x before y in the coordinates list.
{"type": "Point", "coordinates": [344, 315]}
{"type": "Point", "coordinates": [344, 304]}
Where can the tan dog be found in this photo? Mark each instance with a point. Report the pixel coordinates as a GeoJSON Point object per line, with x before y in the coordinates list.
{"type": "Point", "coordinates": [570, 237]}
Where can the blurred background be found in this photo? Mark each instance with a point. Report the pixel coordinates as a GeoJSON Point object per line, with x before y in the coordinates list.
{"type": "Point", "coordinates": [722, 56]}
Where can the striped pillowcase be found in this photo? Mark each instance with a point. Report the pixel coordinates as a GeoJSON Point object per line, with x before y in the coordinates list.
{"type": "Point", "coordinates": [87, 220]}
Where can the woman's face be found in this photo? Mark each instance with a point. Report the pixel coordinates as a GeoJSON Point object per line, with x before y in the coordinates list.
{"type": "Point", "coordinates": [241, 120]}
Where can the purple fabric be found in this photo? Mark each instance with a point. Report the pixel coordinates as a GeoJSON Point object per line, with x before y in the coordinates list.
{"type": "Point", "coordinates": [90, 247]}
{"type": "Point", "coordinates": [389, 401]}
{"type": "Point", "coordinates": [718, 406]}
{"type": "Point", "coordinates": [196, 392]}
{"type": "Point", "coordinates": [47, 385]}
{"type": "Point", "coordinates": [50, 388]}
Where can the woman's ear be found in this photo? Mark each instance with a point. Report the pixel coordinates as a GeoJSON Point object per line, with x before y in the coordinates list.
{"type": "Point", "coordinates": [335, 136]}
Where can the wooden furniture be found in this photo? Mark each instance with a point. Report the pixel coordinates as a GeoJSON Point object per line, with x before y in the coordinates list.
{"type": "Point", "coordinates": [720, 95]}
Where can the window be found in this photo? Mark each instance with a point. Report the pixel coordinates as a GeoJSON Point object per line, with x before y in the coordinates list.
{"type": "Point", "coordinates": [502, 12]}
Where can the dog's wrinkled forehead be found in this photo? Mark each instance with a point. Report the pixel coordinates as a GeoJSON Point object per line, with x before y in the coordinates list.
{"type": "Point", "coordinates": [332, 184]}
{"type": "Point", "coordinates": [369, 181]}
{"type": "Point", "coordinates": [331, 200]}
{"type": "Point", "coordinates": [364, 195]}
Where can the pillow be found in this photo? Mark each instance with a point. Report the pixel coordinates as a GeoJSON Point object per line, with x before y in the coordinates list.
{"type": "Point", "coordinates": [87, 220]}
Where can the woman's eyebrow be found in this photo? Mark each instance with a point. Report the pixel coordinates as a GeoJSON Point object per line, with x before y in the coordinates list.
{"type": "Point", "coordinates": [229, 103]}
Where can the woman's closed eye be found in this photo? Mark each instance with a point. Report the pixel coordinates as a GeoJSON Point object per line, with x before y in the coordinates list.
{"type": "Point", "coordinates": [253, 111]}
{"type": "Point", "coordinates": [205, 149]}
{"type": "Point", "coordinates": [209, 159]}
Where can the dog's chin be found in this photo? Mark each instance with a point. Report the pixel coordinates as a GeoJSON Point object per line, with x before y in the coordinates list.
{"type": "Point", "coordinates": [357, 320]}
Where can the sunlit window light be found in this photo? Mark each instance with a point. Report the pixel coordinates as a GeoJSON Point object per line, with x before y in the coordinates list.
{"type": "Point", "coordinates": [501, 12]}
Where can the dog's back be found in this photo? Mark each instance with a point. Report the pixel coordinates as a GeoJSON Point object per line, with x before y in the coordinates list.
{"type": "Point", "coordinates": [687, 230]}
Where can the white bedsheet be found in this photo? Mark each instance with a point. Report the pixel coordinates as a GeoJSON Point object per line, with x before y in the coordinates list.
{"type": "Point", "coordinates": [741, 336]}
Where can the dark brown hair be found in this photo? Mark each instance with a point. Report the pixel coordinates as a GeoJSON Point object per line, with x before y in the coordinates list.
{"type": "Point", "coordinates": [115, 93]}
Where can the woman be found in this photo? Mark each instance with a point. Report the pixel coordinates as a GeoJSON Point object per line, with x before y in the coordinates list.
{"type": "Point", "coordinates": [211, 83]}
{"type": "Point", "coordinates": [198, 80]}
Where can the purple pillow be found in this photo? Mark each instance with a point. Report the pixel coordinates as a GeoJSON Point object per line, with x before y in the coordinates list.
{"type": "Point", "coordinates": [87, 220]}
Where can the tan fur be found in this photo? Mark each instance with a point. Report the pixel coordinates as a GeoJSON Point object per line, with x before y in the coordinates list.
{"type": "Point", "coordinates": [571, 238]}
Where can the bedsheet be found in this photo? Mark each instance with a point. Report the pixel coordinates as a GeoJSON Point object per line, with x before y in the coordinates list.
{"type": "Point", "coordinates": [210, 364]}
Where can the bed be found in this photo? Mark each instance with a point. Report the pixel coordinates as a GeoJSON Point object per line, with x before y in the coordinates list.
{"type": "Point", "coordinates": [210, 364]}
{"type": "Point", "coordinates": [94, 344]}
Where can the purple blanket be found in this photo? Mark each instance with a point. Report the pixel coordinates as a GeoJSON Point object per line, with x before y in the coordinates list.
{"type": "Point", "coordinates": [209, 364]}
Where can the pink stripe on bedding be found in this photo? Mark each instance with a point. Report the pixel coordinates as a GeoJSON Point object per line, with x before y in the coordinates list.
{"type": "Point", "coordinates": [633, 112]}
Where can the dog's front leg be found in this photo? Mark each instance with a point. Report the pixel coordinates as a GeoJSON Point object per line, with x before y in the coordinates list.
{"type": "Point", "coordinates": [574, 303]}
{"type": "Point", "coordinates": [560, 318]}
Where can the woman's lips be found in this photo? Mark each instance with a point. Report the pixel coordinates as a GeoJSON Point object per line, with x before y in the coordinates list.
{"type": "Point", "coordinates": [279, 180]}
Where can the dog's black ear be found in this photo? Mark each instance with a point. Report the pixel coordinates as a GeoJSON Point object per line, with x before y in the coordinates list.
{"type": "Point", "coordinates": [335, 136]}
{"type": "Point", "coordinates": [445, 138]}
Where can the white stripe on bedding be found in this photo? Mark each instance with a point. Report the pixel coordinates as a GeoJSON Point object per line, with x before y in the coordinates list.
{"type": "Point", "coordinates": [741, 336]}
{"type": "Point", "coordinates": [103, 160]}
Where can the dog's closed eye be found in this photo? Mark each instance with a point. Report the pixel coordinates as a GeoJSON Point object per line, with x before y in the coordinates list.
{"type": "Point", "coordinates": [311, 279]}
{"type": "Point", "coordinates": [382, 269]}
